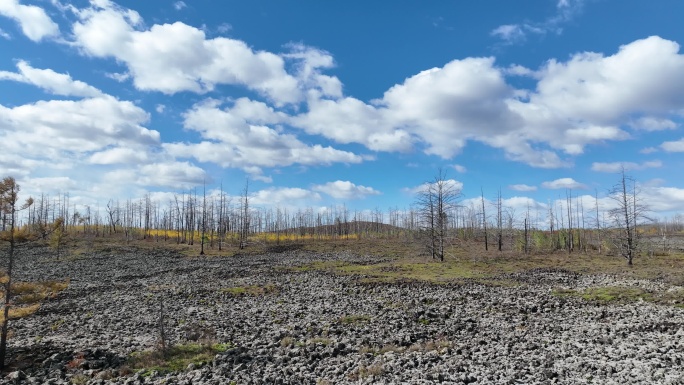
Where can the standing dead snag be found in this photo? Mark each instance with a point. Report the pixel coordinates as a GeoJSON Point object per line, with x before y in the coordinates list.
{"type": "Point", "coordinates": [627, 214]}
{"type": "Point", "coordinates": [499, 221]}
{"type": "Point", "coordinates": [484, 220]}
{"type": "Point", "coordinates": [204, 217]}
{"type": "Point", "coordinates": [9, 191]}
{"type": "Point", "coordinates": [598, 222]}
{"type": "Point", "coordinates": [244, 216]}
{"type": "Point", "coordinates": [435, 201]}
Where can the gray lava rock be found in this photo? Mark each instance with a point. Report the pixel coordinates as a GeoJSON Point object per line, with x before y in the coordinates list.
{"type": "Point", "coordinates": [314, 327]}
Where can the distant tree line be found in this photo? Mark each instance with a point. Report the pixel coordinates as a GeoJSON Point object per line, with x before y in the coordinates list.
{"type": "Point", "coordinates": [438, 218]}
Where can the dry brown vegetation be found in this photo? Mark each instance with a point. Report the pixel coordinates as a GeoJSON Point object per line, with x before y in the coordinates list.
{"type": "Point", "coordinates": [27, 296]}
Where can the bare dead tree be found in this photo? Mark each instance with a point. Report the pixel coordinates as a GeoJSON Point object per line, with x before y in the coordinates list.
{"type": "Point", "coordinates": [9, 196]}
{"type": "Point", "coordinates": [581, 238]}
{"type": "Point", "coordinates": [484, 220]}
{"type": "Point", "coordinates": [526, 225]}
{"type": "Point", "coordinates": [561, 220]}
{"type": "Point", "coordinates": [598, 222]}
{"type": "Point", "coordinates": [178, 219]}
{"type": "Point", "coordinates": [111, 212]}
{"type": "Point", "coordinates": [190, 220]}
{"type": "Point", "coordinates": [630, 210]}
{"type": "Point", "coordinates": [244, 229]}
{"type": "Point", "coordinates": [204, 217]}
{"type": "Point", "coordinates": [499, 221]}
{"type": "Point", "coordinates": [221, 214]}
{"type": "Point", "coordinates": [435, 200]}
{"type": "Point", "coordinates": [570, 241]}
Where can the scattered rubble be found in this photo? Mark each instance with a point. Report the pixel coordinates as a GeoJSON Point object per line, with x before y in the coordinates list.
{"type": "Point", "coordinates": [313, 327]}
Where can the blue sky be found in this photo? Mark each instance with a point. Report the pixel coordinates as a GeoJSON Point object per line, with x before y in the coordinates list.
{"type": "Point", "coordinates": [357, 103]}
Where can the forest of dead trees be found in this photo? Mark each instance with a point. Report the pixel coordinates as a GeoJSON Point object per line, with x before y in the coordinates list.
{"type": "Point", "coordinates": [217, 220]}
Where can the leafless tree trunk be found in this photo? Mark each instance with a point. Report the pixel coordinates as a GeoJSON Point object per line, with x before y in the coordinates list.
{"type": "Point", "coordinates": [244, 230]}
{"type": "Point", "coordinates": [8, 201]}
{"type": "Point", "coordinates": [626, 216]}
{"type": "Point", "coordinates": [571, 239]}
{"type": "Point", "coordinates": [204, 217]}
{"type": "Point", "coordinates": [435, 200]}
{"type": "Point", "coordinates": [110, 212]}
{"type": "Point", "coordinates": [9, 191]}
{"type": "Point", "coordinates": [484, 220]}
{"type": "Point", "coordinates": [499, 221]}
{"type": "Point", "coordinates": [581, 239]}
{"type": "Point", "coordinates": [598, 223]}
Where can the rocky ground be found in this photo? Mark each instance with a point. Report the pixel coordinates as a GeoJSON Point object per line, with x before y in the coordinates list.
{"type": "Point", "coordinates": [304, 326]}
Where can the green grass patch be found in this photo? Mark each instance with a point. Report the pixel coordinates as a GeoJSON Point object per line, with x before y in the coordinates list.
{"type": "Point", "coordinates": [176, 358]}
{"type": "Point", "coordinates": [319, 340]}
{"type": "Point", "coordinates": [57, 324]}
{"type": "Point", "coordinates": [383, 247]}
{"type": "Point", "coordinates": [401, 260]}
{"type": "Point", "coordinates": [354, 319]}
{"type": "Point", "coordinates": [673, 297]}
{"type": "Point", "coordinates": [616, 294]}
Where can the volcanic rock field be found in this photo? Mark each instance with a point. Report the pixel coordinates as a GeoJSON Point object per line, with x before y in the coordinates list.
{"type": "Point", "coordinates": [283, 322]}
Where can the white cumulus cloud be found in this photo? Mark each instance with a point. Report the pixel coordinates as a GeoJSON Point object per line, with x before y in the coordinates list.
{"type": "Point", "coordinates": [509, 32]}
{"type": "Point", "coordinates": [50, 81]}
{"type": "Point", "coordinates": [650, 123]}
{"type": "Point", "coordinates": [56, 127]}
{"type": "Point", "coordinates": [522, 187]}
{"type": "Point", "coordinates": [287, 196]}
{"type": "Point", "coordinates": [449, 184]}
{"type": "Point", "coordinates": [33, 20]}
{"type": "Point", "coordinates": [345, 190]}
{"type": "Point", "coordinates": [241, 136]}
{"type": "Point", "coordinates": [566, 10]}
{"type": "Point", "coordinates": [673, 146]}
{"type": "Point", "coordinates": [119, 155]}
{"type": "Point", "coordinates": [176, 57]}
{"type": "Point", "coordinates": [171, 174]}
{"type": "Point", "coordinates": [445, 106]}
{"type": "Point", "coordinates": [614, 167]}
{"type": "Point", "coordinates": [563, 183]}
